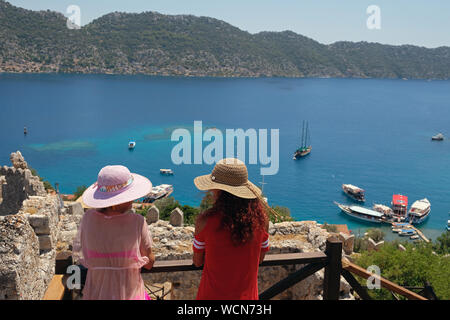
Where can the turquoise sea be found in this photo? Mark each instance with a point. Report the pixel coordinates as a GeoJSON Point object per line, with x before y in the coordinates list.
{"type": "Point", "coordinates": [367, 132]}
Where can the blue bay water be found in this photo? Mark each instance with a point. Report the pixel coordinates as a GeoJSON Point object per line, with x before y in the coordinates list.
{"type": "Point", "coordinates": [367, 132]}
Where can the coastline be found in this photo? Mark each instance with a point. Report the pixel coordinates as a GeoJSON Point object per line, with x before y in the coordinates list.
{"type": "Point", "coordinates": [209, 76]}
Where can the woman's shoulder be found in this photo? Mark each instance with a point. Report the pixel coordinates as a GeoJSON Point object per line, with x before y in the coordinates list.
{"type": "Point", "coordinates": [205, 219]}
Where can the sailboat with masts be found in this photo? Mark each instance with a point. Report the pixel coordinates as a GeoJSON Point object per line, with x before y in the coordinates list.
{"type": "Point", "coordinates": [305, 147]}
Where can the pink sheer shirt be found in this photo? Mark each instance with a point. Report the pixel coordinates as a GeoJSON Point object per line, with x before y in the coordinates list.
{"type": "Point", "coordinates": [113, 248]}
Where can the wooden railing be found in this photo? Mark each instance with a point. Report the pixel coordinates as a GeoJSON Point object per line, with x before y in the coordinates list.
{"type": "Point", "coordinates": [331, 260]}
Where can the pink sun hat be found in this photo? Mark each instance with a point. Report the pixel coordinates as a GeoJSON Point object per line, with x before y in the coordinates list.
{"type": "Point", "coordinates": [116, 185]}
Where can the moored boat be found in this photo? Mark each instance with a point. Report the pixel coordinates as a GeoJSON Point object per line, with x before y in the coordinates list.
{"type": "Point", "coordinates": [383, 209]}
{"type": "Point", "coordinates": [167, 172]}
{"type": "Point", "coordinates": [438, 137]}
{"type": "Point", "coordinates": [399, 206]}
{"type": "Point", "coordinates": [407, 232]}
{"type": "Point", "coordinates": [131, 144]}
{"type": "Point", "coordinates": [158, 192]}
{"type": "Point", "coordinates": [419, 211]}
{"type": "Point", "coordinates": [361, 213]}
{"type": "Point", "coordinates": [305, 147]}
{"type": "Point", "coordinates": [354, 192]}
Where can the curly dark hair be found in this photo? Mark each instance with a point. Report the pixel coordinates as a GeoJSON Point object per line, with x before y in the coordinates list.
{"type": "Point", "coordinates": [240, 216]}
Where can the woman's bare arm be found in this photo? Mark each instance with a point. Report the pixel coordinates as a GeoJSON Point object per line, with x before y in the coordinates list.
{"type": "Point", "coordinates": [151, 258]}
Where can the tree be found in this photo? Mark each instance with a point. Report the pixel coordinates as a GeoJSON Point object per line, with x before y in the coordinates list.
{"type": "Point", "coordinates": [376, 234]}
{"type": "Point", "coordinates": [281, 214]}
{"type": "Point", "coordinates": [412, 267]}
{"type": "Point", "coordinates": [79, 192]}
{"type": "Point", "coordinates": [442, 243]}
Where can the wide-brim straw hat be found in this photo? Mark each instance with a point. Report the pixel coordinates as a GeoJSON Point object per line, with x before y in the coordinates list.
{"type": "Point", "coordinates": [116, 185]}
{"type": "Point", "coordinates": [230, 175]}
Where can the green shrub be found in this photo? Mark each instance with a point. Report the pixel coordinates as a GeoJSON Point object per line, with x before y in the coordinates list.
{"type": "Point", "coordinates": [167, 205]}
{"type": "Point", "coordinates": [376, 234]}
{"type": "Point", "coordinates": [79, 192]}
{"type": "Point", "coordinates": [412, 267]}
{"type": "Point", "coordinates": [281, 214]}
{"type": "Point", "coordinates": [442, 243]}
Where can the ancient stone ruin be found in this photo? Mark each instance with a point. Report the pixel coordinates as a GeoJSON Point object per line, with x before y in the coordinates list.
{"type": "Point", "coordinates": [29, 232]}
{"type": "Point", "coordinates": [17, 183]}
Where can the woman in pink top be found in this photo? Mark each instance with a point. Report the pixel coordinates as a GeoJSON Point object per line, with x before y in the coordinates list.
{"type": "Point", "coordinates": [112, 242]}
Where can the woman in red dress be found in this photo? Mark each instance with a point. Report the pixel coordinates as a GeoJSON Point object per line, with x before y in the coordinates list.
{"type": "Point", "coordinates": [231, 238]}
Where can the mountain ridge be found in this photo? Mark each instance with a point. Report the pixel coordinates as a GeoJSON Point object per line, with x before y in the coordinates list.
{"type": "Point", "coordinates": [158, 44]}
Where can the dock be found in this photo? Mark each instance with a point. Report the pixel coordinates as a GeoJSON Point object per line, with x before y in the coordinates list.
{"type": "Point", "coordinates": [419, 233]}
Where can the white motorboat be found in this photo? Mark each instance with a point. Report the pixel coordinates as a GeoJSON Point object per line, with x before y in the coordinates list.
{"type": "Point", "coordinates": [158, 192]}
{"type": "Point", "coordinates": [419, 211]}
{"type": "Point", "coordinates": [131, 144]}
{"type": "Point", "coordinates": [166, 172]}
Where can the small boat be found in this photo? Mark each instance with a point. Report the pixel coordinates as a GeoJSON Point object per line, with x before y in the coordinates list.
{"type": "Point", "coordinates": [361, 213]}
{"type": "Point", "coordinates": [396, 230]}
{"type": "Point", "coordinates": [414, 237]}
{"type": "Point", "coordinates": [158, 192]}
{"type": "Point", "coordinates": [407, 232]}
{"type": "Point", "coordinates": [383, 209]}
{"type": "Point", "coordinates": [305, 147]}
{"type": "Point", "coordinates": [166, 172]}
{"type": "Point", "coordinates": [354, 192]}
{"type": "Point", "coordinates": [438, 137]}
{"type": "Point", "coordinates": [131, 144]}
{"type": "Point", "coordinates": [420, 210]}
{"type": "Point", "coordinates": [448, 225]}
{"type": "Point", "coordinates": [25, 131]}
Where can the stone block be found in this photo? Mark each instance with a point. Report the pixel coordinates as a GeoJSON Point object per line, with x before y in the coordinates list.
{"type": "Point", "coordinates": [40, 223]}
{"type": "Point", "coordinates": [176, 217]}
{"type": "Point", "coordinates": [152, 215]}
{"type": "Point", "coordinates": [348, 242]}
{"type": "Point", "coordinates": [75, 208]}
{"type": "Point", "coordinates": [372, 245]}
{"type": "Point", "coordinates": [45, 242]}
{"type": "Point", "coordinates": [20, 268]}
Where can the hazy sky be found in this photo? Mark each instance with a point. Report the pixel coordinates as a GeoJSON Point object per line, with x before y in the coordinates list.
{"type": "Point", "coordinates": [419, 22]}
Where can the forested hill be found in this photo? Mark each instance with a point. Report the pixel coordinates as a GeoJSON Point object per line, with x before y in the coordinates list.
{"type": "Point", "coordinates": [153, 43]}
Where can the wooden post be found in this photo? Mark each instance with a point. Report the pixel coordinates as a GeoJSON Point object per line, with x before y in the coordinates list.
{"type": "Point", "coordinates": [332, 278]}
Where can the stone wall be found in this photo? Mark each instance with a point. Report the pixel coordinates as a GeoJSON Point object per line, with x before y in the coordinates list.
{"type": "Point", "coordinates": [18, 184]}
{"type": "Point", "coordinates": [29, 231]}
{"type": "Point", "coordinates": [20, 274]}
